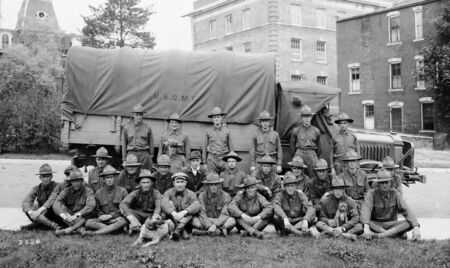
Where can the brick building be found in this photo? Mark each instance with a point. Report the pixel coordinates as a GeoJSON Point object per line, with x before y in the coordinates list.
{"type": "Point", "coordinates": [379, 68]}
{"type": "Point", "coordinates": [301, 33]}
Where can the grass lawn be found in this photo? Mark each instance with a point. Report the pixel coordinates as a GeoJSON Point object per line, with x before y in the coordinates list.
{"type": "Point", "coordinates": [233, 251]}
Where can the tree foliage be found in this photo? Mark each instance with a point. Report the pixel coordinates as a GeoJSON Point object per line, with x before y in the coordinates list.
{"type": "Point", "coordinates": [436, 55]}
{"type": "Point", "coordinates": [29, 97]}
{"type": "Point", "coordinates": [118, 23]}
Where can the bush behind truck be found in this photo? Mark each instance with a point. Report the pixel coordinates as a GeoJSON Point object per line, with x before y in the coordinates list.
{"type": "Point", "coordinates": [104, 85]}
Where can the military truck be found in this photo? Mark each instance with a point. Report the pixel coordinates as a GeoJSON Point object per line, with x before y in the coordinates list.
{"type": "Point", "coordinates": [104, 85]}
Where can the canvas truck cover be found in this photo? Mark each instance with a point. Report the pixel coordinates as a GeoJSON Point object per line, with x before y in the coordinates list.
{"type": "Point", "coordinates": [111, 82]}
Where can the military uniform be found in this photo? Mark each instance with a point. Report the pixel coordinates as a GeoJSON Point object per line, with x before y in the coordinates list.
{"type": "Point", "coordinates": [127, 180]}
{"type": "Point", "coordinates": [142, 204]}
{"type": "Point", "coordinates": [295, 208]}
{"type": "Point", "coordinates": [177, 163]}
{"type": "Point", "coordinates": [184, 143]}
{"type": "Point", "coordinates": [217, 144]}
{"type": "Point", "coordinates": [266, 143]}
{"type": "Point", "coordinates": [271, 181]}
{"type": "Point", "coordinates": [356, 184]}
{"type": "Point", "coordinates": [232, 179]}
{"type": "Point", "coordinates": [94, 180]}
{"type": "Point", "coordinates": [342, 142]}
{"type": "Point", "coordinates": [305, 143]}
{"type": "Point", "coordinates": [163, 182]}
{"type": "Point", "coordinates": [316, 189]}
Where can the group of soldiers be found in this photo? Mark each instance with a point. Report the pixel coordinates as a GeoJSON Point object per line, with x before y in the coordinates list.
{"type": "Point", "coordinates": [313, 198]}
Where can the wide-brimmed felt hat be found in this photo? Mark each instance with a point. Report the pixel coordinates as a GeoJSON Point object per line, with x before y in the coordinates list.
{"type": "Point", "coordinates": [267, 159]}
{"type": "Point", "coordinates": [45, 169]}
{"type": "Point", "coordinates": [216, 111]}
{"type": "Point", "coordinates": [233, 155]}
{"type": "Point", "coordinates": [306, 110]}
{"type": "Point", "coordinates": [76, 175]}
{"type": "Point", "coordinates": [175, 117]}
{"type": "Point", "coordinates": [264, 115]}
{"type": "Point", "coordinates": [321, 165]}
{"type": "Point", "coordinates": [289, 178]}
{"type": "Point", "coordinates": [172, 142]}
{"type": "Point", "coordinates": [388, 162]}
{"type": "Point", "coordinates": [163, 160]}
{"type": "Point", "coordinates": [297, 161]}
{"type": "Point", "coordinates": [132, 161]}
{"type": "Point", "coordinates": [195, 155]}
{"type": "Point", "coordinates": [383, 175]}
{"type": "Point", "coordinates": [249, 181]}
{"type": "Point", "coordinates": [145, 173]}
{"type": "Point", "coordinates": [138, 109]}
{"type": "Point", "coordinates": [351, 155]}
{"type": "Point", "coordinates": [343, 117]}
{"type": "Point", "coordinates": [180, 175]}
{"type": "Point", "coordinates": [108, 170]}
{"type": "Point", "coordinates": [212, 178]}
{"type": "Point", "coordinates": [337, 183]}
{"type": "Point", "coordinates": [102, 153]}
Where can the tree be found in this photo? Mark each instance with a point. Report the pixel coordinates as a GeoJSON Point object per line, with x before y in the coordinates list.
{"type": "Point", "coordinates": [436, 71]}
{"type": "Point", "coordinates": [29, 97]}
{"type": "Point", "coordinates": [118, 23]}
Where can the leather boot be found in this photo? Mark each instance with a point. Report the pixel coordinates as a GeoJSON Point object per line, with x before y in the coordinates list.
{"type": "Point", "coordinates": [176, 235]}
{"type": "Point", "coordinates": [185, 235]}
{"type": "Point", "coordinates": [258, 234]}
{"type": "Point", "coordinates": [118, 225]}
{"type": "Point", "coordinates": [45, 221]}
{"type": "Point", "coordinates": [94, 225]}
{"type": "Point", "coordinates": [199, 232]}
{"type": "Point", "coordinates": [395, 231]}
{"type": "Point", "coordinates": [294, 231]}
{"type": "Point", "coordinates": [348, 236]}
{"type": "Point", "coordinates": [29, 227]}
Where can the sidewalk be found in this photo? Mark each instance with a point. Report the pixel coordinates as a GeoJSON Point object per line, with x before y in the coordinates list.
{"type": "Point", "coordinates": [430, 228]}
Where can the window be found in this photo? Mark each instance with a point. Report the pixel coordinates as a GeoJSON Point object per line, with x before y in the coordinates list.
{"type": "Point", "coordinates": [212, 29]}
{"type": "Point", "coordinates": [369, 114]}
{"type": "Point", "coordinates": [296, 14]}
{"type": "Point", "coordinates": [5, 41]}
{"type": "Point", "coordinates": [396, 76]}
{"type": "Point", "coordinates": [354, 79]}
{"type": "Point", "coordinates": [418, 24]}
{"type": "Point", "coordinates": [394, 29]}
{"type": "Point", "coordinates": [420, 75]}
{"type": "Point", "coordinates": [396, 119]}
{"type": "Point", "coordinates": [247, 47]}
{"type": "Point", "coordinates": [296, 77]}
{"type": "Point", "coordinates": [321, 18]}
{"type": "Point", "coordinates": [229, 48]}
{"type": "Point", "coordinates": [427, 114]}
{"type": "Point", "coordinates": [228, 23]}
{"type": "Point", "coordinates": [296, 49]}
{"type": "Point", "coordinates": [246, 19]}
{"type": "Point", "coordinates": [322, 80]}
{"type": "Point", "coordinates": [321, 51]}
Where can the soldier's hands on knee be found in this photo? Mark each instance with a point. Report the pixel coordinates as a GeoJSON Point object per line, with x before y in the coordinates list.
{"type": "Point", "coordinates": [332, 223]}
{"type": "Point", "coordinates": [105, 217]}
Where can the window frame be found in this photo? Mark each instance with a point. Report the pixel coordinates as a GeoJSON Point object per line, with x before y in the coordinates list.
{"type": "Point", "coordinates": [322, 77]}
{"type": "Point", "coordinates": [418, 10]}
{"type": "Point", "coordinates": [228, 24]}
{"type": "Point", "coordinates": [395, 105]}
{"type": "Point", "coordinates": [395, 61]}
{"type": "Point", "coordinates": [390, 30]}
{"type": "Point", "coordinates": [245, 47]}
{"type": "Point", "coordinates": [299, 14]}
{"type": "Point", "coordinates": [427, 101]}
{"type": "Point", "coordinates": [245, 18]}
{"type": "Point", "coordinates": [351, 67]}
{"type": "Point", "coordinates": [297, 53]}
{"type": "Point", "coordinates": [323, 20]}
{"type": "Point", "coordinates": [321, 56]}
{"type": "Point", "coordinates": [212, 29]}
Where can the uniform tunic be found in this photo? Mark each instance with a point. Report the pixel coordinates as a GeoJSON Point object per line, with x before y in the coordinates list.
{"type": "Point", "coordinates": [271, 180]}
{"type": "Point", "coordinates": [127, 180]}
{"type": "Point", "coordinates": [331, 204]}
{"type": "Point", "coordinates": [293, 206]}
{"type": "Point", "coordinates": [218, 142]}
{"type": "Point", "coordinates": [95, 182]}
{"type": "Point", "coordinates": [357, 185]}
{"type": "Point", "coordinates": [231, 179]}
{"type": "Point", "coordinates": [303, 183]}
{"type": "Point", "coordinates": [163, 182]}
{"type": "Point", "coordinates": [41, 194]}
{"type": "Point", "coordinates": [108, 200]}
{"type": "Point", "coordinates": [185, 200]}
{"type": "Point", "coordinates": [184, 143]}
{"type": "Point", "coordinates": [195, 181]}
{"type": "Point", "coordinates": [214, 206]}
{"type": "Point", "coordinates": [177, 163]}
{"type": "Point", "coordinates": [138, 139]}
{"type": "Point", "coordinates": [252, 206]}
{"type": "Point", "coordinates": [266, 143]}
{"type": "Point", "coordinates": [343, 141]}
{"type": "Point", "coordinates": [385, 206]}
{"type": "Point", "coordinates": [305, 138]}
{"type": "Point", "coordinates": [148, 202]}
{"type": "Point", "coordinates": [316, 189]}
{"type": "Point", "coordinates": [72, 201]}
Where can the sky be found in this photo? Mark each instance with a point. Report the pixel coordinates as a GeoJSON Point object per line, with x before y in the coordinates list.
{"type": "Point", "coordinates": [171, 30]}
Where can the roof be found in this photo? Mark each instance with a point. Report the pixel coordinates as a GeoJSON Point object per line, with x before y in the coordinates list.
{"type": "Point", "coordinates": [401, 5]}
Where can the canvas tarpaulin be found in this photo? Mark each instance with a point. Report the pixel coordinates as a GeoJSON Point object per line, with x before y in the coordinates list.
{"type": "Point", "coordinates": [111, 82]}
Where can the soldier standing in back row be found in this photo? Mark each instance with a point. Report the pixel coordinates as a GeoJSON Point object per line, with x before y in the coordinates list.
{"type": "Point", "coordinates": [217, 142]}
{"type": "Point", "coordinates": [174, 131]}
{"type": "Point", "coordinates": [305, 139]}
{"type": "Point", "coordinates": [266, 142]}
{"type": "Point", "coordinates": [343, 141]}
{"type": "Point", "coordinates": [137, 139]}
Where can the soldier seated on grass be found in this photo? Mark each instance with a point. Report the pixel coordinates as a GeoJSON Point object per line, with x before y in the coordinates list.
{"type": "Point", "coordinates": [214, 217]}
{"type": "Point", "coordinates": [339, 213]}
{"type": "Point", "coordinates": [270, 181]}
{"type": "Point", "coordinates": [142, 203]}
{"type": "Point", "coordinates": [380, 210]}
{"type": "Point", "coordinates": [232, 176]}
{"type": "Point", "coordinates": [127, 177]}
{"type": "Point", "coordinates": [251, 210]}
{"type": "Point", "coordinates": [75, 204]}
{"type": "Point", "coordinates": [181, 205]}
{"type": "Point", "coordinates": [163, 177]}
{"type": "Point", "coordinates": [109, 219]}
{"type": "Point", "coordinates": [43, 216]}
{"type": "Point", "coordinates": [293, 212]}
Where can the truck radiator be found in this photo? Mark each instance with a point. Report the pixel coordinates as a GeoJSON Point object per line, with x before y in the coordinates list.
{"type": "Point", "coordinates": [374, 152]}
